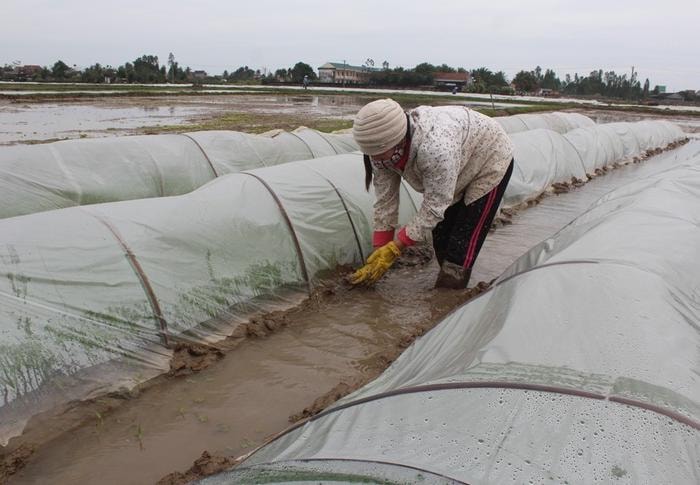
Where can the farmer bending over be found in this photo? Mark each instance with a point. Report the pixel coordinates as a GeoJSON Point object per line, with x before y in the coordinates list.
{"type": "Point", "coordinates": [459, 159]}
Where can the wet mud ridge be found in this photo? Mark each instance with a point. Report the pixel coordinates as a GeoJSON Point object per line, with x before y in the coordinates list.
{"type": "Point", "coordinates": [204, 466]}
{"type": "Point", "coordinates": [278, 368]}
{"type": "Point", "coordinates": [14, 461]}
{"type": "Point", "coordinates": [189, 357]}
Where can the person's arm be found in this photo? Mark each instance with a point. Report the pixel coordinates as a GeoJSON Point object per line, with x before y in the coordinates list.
{"type": "Point", "coordinates": [439, 158]}
{"type": "Point", "coordinates": [386, 217]}
{"type": "Point", "coordinates": [386, 207]}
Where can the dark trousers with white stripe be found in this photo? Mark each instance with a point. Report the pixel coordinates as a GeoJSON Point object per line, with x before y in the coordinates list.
{"type": "Point", "coordinates": [459, 236]}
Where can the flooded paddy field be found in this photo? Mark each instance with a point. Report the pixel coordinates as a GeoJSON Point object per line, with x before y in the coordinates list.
{"type": "Point", "coordinates": [36, 122]}
{"type": "Point", "coordinates": [40, 121]}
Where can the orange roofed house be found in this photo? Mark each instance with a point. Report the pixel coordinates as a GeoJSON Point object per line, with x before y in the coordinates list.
{"type": "Point", "coordinates": [450, 80]}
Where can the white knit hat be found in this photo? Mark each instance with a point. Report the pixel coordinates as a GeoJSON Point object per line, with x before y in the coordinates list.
{"type": "Point", "coordinates": [379, 126]}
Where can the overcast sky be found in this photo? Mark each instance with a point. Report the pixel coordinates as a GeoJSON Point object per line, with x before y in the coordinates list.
{"type": "Point", "coordinates": [660, 38]}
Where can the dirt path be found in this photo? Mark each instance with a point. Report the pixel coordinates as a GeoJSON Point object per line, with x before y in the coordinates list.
{"type": "Point", "coordinates": [291, 365]}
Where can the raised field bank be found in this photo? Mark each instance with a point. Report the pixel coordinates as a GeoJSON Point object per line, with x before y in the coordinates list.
{"type": "Point", "coordinates": [182, 291]}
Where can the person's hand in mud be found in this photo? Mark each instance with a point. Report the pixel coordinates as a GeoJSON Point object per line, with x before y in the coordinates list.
{"type": "Point", "coordinates": [377, 264]}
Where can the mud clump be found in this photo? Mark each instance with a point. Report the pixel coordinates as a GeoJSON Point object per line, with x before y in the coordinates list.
{"type": "Point", "coordinates": [14, 461]}
{"type": "Point", "coordinates": [564, 187]}
{"type": "Point", "coordinates": [325, 291]}
{"type": "Point", "coordinates": [339, 391]}
{"type": "Point", "coordinates": [204, 466]}
{"type": "Point", "coordinates": [576, 182]}
{"type": "Point", "coordinates": [189, 357]}
{"type": "Point", "coordinates": [417, 255]}
{"type": "Point", "coordinates": [560, 187]}
{"type": "Point", "coordinates": [502, 218]}
{"type": "Point", "coordinates": [263, 325]}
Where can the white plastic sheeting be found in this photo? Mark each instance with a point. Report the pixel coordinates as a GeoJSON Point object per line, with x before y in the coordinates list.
{"type": "Point", "coordinates": [85, 286]}
{"type": "Point", "coordinates": [560, 122]}
{"type": "Point", "coordinates": [604, 144]}
{"type": "Point", "coordinates": [36, 178]}
{"type": "Point", "coordinates": [90, 292]}
{"type": "Point", "coordinates": [80, 172]}
{"type": "Point", "coordinates": [549, 158]}
{"type": "Point", "coordinates": [581, 365]}
{"type": "Point", "coordinates": [552, 157]}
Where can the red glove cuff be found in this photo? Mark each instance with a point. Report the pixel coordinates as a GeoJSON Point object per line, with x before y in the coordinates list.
{"type": "Point", "coordinates": [403, 237]}
{"type": "Point", "coordinates": [380, 238]}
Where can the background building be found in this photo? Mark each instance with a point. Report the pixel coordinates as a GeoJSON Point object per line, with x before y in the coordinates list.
{"type": "Point", "coordinates": [342, 73]}
{"type": "Point", "coordinates": [450, 80]}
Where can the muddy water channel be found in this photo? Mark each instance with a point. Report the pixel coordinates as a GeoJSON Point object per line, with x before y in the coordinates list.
{"type": "Point", "coordinates": [322, 350]}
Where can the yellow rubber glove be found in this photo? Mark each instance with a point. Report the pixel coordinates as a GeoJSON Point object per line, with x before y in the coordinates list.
{"type": "Point", "coordinates": [377, 264]}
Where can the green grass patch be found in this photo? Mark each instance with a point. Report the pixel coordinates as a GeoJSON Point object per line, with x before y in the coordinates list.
{"type": "Point", "coordinates": [262, 122]}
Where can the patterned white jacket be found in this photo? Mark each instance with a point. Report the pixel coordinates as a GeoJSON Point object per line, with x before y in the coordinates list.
{"type": "Point", "coordinates": [455, 153]}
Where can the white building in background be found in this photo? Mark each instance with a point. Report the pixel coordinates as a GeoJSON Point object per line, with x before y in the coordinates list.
{"type": "Point", "coordinates": [340, 72]}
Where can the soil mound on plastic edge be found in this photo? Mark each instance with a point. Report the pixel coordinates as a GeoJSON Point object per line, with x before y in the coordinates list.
{"type": "Point", "coordinates": [505, 215]}
{"type": "Point", "coordinates": [204, 466]}
{"type": "Point", "coordinates": [189, 357]}
{"type": "Point", "coordinates": [15, 461]}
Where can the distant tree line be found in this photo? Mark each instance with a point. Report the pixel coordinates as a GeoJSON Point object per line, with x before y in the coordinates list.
{"type": "Point", "coordinates": [421, 75]}
{"type": "Point", "coordinates": [483, 80]}
{"type": "Point", "coordinates": [607, 84]}
{"type": "Point", "coordinates": [147, 69]}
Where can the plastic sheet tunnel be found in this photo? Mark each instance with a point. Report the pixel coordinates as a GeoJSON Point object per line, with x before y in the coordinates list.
{"type": "Point", "coordinates": [581, 365]}
{"type": "Point", "coordinates": [545, 157]}
{"type": "Point", "coordinates": [92, 298]}
{"type": "Point", "coordinates": [561, 122]}
{"type": "Point", "coordinates": [144, 272]}
{"type": "Point", "coordinates": [36, 178]}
